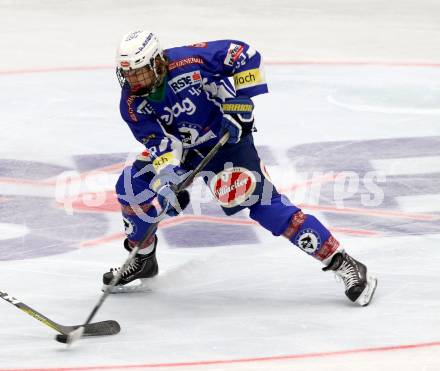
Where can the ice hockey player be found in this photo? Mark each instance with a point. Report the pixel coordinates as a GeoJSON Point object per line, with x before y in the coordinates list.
{"type": "Point", "coordinates": [178, 102]}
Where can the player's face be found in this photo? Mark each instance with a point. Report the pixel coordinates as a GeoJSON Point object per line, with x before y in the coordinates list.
{"type": "Point", "coordinates": [140, 78]}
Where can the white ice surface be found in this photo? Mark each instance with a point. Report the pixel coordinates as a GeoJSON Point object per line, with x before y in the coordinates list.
{"type": "Point", "coordinates": [256, 306]}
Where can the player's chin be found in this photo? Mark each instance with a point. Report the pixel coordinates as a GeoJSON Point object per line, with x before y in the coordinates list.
{"type": "Point", "coordinates": [139, 89]}
{"type": "Point", "coordinates": [135, 87]}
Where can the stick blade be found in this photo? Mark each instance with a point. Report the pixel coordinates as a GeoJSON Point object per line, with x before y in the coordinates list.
{"type": "Point", "coordinates": [103, 328]}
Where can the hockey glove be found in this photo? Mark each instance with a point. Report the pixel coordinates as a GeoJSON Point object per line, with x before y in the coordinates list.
{"type": "Point", "coordinates": [238, 118]}
{"type": "Point", "coordinates": [172, 202]}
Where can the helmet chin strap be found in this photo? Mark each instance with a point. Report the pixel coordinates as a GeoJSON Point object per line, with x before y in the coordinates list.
{"type": "Point", "coordinates": [159, 77]}
{"type": "Point", "coordinates": [159, 80]}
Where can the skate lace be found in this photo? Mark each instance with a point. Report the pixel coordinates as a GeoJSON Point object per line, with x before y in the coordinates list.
{"type": "Point", "coordinates": [132, 267]}
{"type": "Point", "coordinates": [349, 274]}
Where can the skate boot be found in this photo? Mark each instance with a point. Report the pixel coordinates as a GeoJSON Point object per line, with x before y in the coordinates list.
{"type": "Point", "coordinates": [359, 285]}
{"type": "Point", "coordinates": [143, 266]}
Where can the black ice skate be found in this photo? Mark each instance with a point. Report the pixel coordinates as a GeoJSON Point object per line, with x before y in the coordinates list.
{"type": "Point", "coordinates": [134, 278]}
{"type": "Point", "coordinates": [359, 285]}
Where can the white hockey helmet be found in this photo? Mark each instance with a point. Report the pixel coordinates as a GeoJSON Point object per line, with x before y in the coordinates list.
{"type": "Point", "coordinates": [139, 49]}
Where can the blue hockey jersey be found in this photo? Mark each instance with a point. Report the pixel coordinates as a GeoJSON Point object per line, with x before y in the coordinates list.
{"type": "Point", "coordinates": [188, 114]}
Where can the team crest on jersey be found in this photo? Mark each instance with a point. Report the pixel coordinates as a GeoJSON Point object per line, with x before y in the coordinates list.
{"type": "Point", "coordinates": [231, 187]}
{"type": "Point", "coordinates": [129, 227]}
{"type": "Point", "coordinates": [193, 135]}
{"type": "Point", "coordinates": [185, 80]}
{"type": "Point", "coordinates": [233, 54]}
{"type": "Point", "coordinates": [308, 240]}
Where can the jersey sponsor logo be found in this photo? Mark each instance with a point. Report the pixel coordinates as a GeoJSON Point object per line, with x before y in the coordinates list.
{"type": "Point", "coordinates": [199, 45]}
{"type": "Point", "coordinates": [249, 78]}
{"type": "Point", "coordinates": [146, 139]}
{"type": "Point", "coordinates": [244, 57]}
{"type": "Point", "coordinates": [145, 108]}
{"type": "Point", "coordinates": [164, 160]}
{"type": "Point", "coordinates": [185, 80]}
{"type": "Point", "coordinates": [308, 240]}
{"type": "Point", "coordinates": [131, 113]}
{"type": "Point", "coordinates": [231, 187]}
{"type": "Point", "coordinates": [233, 54]}
{"type": "Point", "coordinates": [187, 107]}
{"type": "Point", "coordinates": [184, 62]}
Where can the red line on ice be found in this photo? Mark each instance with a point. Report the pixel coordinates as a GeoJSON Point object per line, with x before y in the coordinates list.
{"type": "Point", "coordinates": [272, 63]}
{"type": "Point", "coordinates": [237, 360]}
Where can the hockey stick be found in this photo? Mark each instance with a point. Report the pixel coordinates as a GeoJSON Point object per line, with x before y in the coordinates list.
{"type": "Point", "coordinates": [92, 329]}
{"type": "Point", "coordinates": [79, 332]}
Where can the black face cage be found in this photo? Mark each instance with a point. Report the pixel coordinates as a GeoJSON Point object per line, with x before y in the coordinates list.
{"type": "Point", "coordinates": [120, 77]}
{"type": "Point", "coordinates": [123, 81]}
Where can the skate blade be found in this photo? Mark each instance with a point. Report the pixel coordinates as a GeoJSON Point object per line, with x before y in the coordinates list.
{"type": "Point", "coordinates": [139, 285]}
{"type": "Point", "coordinates": [366, 296]}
